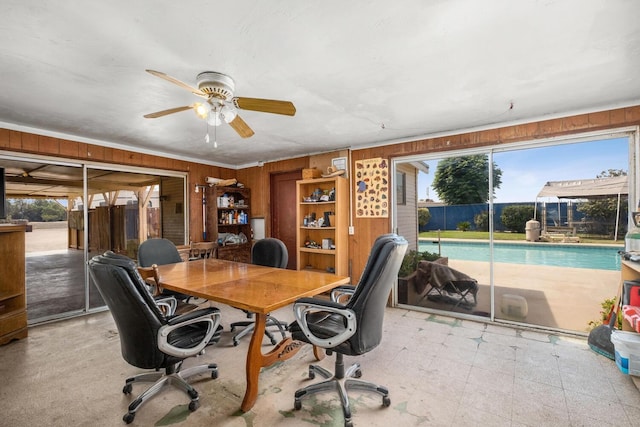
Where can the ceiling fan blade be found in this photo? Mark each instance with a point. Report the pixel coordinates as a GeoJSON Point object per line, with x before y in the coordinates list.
{"type": "Point", "coordinates": [177, 82]}
{"type": "Point", "coordinates": [167, 112]}
{"type": "Point", "coordinates": [265, 105]}
{"type": "Point", "coordinates": [241, 127]}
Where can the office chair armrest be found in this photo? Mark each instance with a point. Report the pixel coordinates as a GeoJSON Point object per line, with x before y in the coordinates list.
{"type": "Point", "coordinates": [340, 292]}
{"type": "Point", "coordinates": [209, 315]}
{"type": "Point", "coordinates": [304, 306]}
{"type": "Point", "coordinates": [170, 304]}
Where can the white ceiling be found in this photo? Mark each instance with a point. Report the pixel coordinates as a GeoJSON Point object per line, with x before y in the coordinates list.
{"type": "Point", "coordinates": [360, 73]}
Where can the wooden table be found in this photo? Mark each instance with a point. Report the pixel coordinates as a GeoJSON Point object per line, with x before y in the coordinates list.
{"type": "Point", "coordinates": [258, 289]}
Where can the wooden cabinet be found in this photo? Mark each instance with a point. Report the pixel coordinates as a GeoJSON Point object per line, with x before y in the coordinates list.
{"type": "Point", "coordinates": [13, 312]}
{"type": "Point", "coordinates": [321, 246]}
{"type": "Point", "coordinates": [228, 213]}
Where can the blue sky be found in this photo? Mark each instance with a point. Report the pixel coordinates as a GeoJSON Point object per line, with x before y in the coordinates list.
{"type": "Point", "coordinates": [524, 172]}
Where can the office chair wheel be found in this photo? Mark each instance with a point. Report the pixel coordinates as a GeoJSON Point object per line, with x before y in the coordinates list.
{"type": "Point", "coordinates": [235, 341]}
{"type": "Point", "coordinates": [357, 373]}
{"type": "Point", "coordinates": [312, 373]}
{"type": "Point", "coordinates": [297, 404]}
{"type": "Point", "coordinates": [127, 388]}
{"type": "Point", "coordinates": [214, 375]}
{"type": "Point", "coordinates": [386, 401]}
{"type": "Point", "coordinates": [193, 405]}
{"type": "Point", "coordinates": [128, 417]}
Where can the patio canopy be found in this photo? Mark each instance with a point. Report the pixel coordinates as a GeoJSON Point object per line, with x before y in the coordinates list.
{"type": "Point", "coordinates": [586, 188]}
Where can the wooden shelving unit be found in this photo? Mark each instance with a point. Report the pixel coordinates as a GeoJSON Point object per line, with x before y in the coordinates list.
{"type": "Point", "coordinates": [13, 302]}
{"type": "Point", "coordinates": [335, 258]}
{"type": "Point", "coordinates": [230, 216]}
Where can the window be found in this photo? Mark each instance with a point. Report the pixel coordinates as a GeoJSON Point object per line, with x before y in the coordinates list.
{"type": "Point", "coordinates": [401, 188]}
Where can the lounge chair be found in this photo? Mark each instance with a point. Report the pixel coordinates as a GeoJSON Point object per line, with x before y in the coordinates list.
{"type": "Point", "coordinates": [441, 283]}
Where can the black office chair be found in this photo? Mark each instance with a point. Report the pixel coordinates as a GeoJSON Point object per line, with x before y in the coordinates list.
{"type": "Point", "coordinates": [160, 251]}
{"type": "Point", "coordinates": [269, 252]}
{"type": "Point", "coordinates": [148, 338]}
{"type": "Point", "coordinates": [352, 328]}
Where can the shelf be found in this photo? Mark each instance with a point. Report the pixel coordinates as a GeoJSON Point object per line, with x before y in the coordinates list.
{"type": "Point", "coordinates": [215, 212]}
{"type": "Point", "coordinates": [336, 259]}
{"type": "Point", "coordinates": [318, 270]}
{"type": "Point", "coordinates": [318, 203]}
{"type": "Point", "coordinates": [318, 251]}
{"type": "Point", "coordinates": [316, 228]}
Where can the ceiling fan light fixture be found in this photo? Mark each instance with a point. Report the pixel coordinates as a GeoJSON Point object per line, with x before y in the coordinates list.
{"type": "Point", "coordinates": [228, 113]}
{"type": "Point", "coordinates": [214, 118]}
{"type": "Point", "coordinates": [202, 110]}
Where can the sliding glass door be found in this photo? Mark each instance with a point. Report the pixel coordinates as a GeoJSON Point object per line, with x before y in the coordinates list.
{"type": "Point", "coordinates": [524, 234]}
{"type": "Point", "coordinates": [74, 212]}
{"type": "Point", "coordinates": [125, 208]}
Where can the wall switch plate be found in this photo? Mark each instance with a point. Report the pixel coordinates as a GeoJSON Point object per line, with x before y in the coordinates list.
{"type": "Point", "coordinates": [352, 230]}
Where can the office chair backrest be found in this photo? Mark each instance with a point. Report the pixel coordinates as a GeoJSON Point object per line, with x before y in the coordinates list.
{"type": "Point", "coordinates": [270, 252]}
{"type": "Point", "coordinates": [157, 251]}
{"type": "Point", "coordinates": [372, 292]}
{"type": "Point", "coordinates": [134, 311]}
{"type": "Point", "coordinates": [373, 255]}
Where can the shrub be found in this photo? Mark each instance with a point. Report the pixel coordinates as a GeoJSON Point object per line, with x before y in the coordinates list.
{"type": "Point", "coordinates": [424, 216]}
{"type": "Point", "coordinates": [481, 221]}
{"type": "Point", "coordinates": [514, 218]}
{"type": "Point", "coordinates": [464, 226]}
{"type": "Point", "coordinates": [411, 260]}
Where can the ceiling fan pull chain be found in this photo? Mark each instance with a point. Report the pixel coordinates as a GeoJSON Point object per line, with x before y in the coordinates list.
{"type": "Point", "coordinates": [215, 137]}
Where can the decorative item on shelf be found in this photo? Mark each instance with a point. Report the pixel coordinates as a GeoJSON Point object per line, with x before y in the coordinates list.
{"type": "Point", "coordinates": [311, 244]}
{"type": "Point", "coordinates": [326, 221]}
{"type": "Point", "coordinates": [327, 243]}
{"type": "Point", "coordinates": [311, 173]}
{"type": "Point", "coordinates": [227, 183]}
{"type": "Point", "coordinates": [332, 171]}
{"type": "Point", "coordinates": [341, 163]}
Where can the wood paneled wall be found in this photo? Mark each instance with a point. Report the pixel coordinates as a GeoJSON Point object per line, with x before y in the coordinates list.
{"type": "Point", "coordinates": [257, 178]}
{"type": "Point", "coordinates": [366, 230]}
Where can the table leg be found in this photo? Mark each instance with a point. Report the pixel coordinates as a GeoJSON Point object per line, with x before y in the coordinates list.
{"type": "Point", "coordinates": [319, 353]}
{"type": "Point", "coordinates": [256, 359]}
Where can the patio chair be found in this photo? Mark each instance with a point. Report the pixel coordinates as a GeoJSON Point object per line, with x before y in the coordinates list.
{"type": "Point", "coordinates": [441, 283]}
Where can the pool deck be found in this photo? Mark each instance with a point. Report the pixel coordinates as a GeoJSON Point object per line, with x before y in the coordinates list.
{"type": "Point", "coordinates": [556, 297]}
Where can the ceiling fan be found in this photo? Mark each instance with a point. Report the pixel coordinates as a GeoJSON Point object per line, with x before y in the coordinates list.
{"type": "Point", "coordinates": [219, 104]}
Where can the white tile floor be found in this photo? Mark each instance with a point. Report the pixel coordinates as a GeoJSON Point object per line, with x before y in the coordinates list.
{"type": "Point", "coordinates": [440, 371]}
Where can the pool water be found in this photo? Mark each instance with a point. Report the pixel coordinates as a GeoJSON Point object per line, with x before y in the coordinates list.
{"type": "Point", "coordinates": [559, 255]}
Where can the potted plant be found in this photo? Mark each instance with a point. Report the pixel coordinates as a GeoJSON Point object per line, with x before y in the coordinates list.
{"type": "Point", "coordinates": [407, 272]}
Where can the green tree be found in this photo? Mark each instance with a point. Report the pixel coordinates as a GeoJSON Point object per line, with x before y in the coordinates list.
{"type": "Point", "coordinates": [36, 211]}
{"type": "Point", "coordinates": [464, 180]}
{"type": "Point", "coordinates": [601, 212]}
{"type": "Point", "coordinates": [515, 217]}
